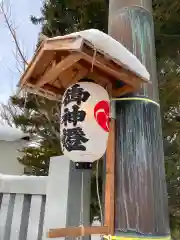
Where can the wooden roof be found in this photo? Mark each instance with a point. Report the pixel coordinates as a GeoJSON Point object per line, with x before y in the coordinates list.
{"type": "Point", "coordinates": [60, 62]}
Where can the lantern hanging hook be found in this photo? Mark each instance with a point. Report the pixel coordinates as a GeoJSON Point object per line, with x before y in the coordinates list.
{"type": "Point", "coordinates": [98, 194]}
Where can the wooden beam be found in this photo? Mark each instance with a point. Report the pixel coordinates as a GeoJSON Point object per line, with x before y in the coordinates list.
{"type": "Point", "coordinates": [122, 91]}
{"type": "Point", "coordinates": [73, 75]}
{"type": "Point", "coordinates": [41, 92]}
{"type": "Point", "coordinates": [76, 231]}
{"type": "Point", "coordinates": [30, 68]}
{"type": "Point", "coordinates": [80, 74]}
{"type": "Point", "coordinates": [105, 63]}
{"type": "Point", "coordinates": [64, 78]}
{"type": "Point", "coordinates": [53, 89]}
{"type": "Point", "coordinates": [120, 74]}
{"type": "Point", "coordinates": [67, 44]}
{"type": "Point", "coordinates": [109, 186]}
{"type": "Point", "coordinates": [103, 80]}
{"type": "Point", "coordinates": [54, 72]}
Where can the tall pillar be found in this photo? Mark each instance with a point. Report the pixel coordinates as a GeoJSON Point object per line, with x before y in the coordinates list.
{"type": "Point", "coordinates": [141, 205]}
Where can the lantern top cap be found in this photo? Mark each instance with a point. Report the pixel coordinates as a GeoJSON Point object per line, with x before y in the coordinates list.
{"type": "Point", "coordinates": [113, 48]}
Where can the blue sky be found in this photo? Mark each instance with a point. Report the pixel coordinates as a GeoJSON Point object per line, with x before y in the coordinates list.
{"type": "Point", "coordinates": [27, 34]}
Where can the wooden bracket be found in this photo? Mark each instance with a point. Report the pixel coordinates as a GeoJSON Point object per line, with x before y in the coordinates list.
{"type": "Point", "coordinates": [54, 72]}
{"type": "Point", "coordinates": [122, 91]}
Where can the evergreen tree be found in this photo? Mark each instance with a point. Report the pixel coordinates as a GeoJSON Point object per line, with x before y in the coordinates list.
{"type": "Point", "coordinates": [40, 118]}
{"type": "Point", "coordinates": [60, 17]}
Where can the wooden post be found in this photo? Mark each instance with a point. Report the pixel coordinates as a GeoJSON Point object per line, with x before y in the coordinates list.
{"type": "Point", "coordinates": [57, 194]}
{"type": "Point", "coordinates": [140, 190]}
{"type": "Point", "coordinates": [109, 182]}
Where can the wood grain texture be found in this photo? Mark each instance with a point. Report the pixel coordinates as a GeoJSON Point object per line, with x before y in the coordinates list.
{"type": "Point", "coordinates": [76, 231]}
{"type": "Point", "coordinates": [54, 72]}
{"type": "Point", "coordinates": [42, 71]}
{"type": "Point", "coordinates": [109, 186]}
{"type": "Point", "coordinates": [109, 68]}
{"type": "Point", "coordinates": [122, 91]}
{"type": "Point", "coordinates": [35, 61]}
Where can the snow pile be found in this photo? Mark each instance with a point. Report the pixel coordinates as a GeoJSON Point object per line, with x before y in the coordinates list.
{"type": "Point", "coordinates": [10, 134]}
{"type": "Point", "coordinates": [21, 177]}
{"type": "Point", "coordinates": [97, 224]}
{"type": "Point", "coordinates": [106, 44]}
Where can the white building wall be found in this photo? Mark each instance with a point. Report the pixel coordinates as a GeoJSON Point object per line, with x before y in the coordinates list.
{"type": "Point", "coordinates": [8, 157]}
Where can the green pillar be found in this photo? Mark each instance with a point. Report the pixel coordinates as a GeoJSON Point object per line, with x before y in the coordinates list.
{"type": "Point", "coordinates": [141, 203]}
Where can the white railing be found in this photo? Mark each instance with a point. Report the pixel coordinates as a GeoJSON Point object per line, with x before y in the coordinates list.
{"type": "Point", "coordinates": [22, 205]}
{"type": "Point", "coordinates": [30, 206]}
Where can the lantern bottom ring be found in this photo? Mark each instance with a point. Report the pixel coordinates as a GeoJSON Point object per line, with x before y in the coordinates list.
{"type": "Point", "coordinates": [83, 165]}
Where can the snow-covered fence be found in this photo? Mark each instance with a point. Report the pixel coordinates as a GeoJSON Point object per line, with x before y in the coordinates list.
{"type": "Point", "coordinates": [30, 206]}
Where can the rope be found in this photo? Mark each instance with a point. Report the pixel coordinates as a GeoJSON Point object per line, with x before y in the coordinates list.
{"type": "Point", "coordinates": [136, 237]}
{"type": "Point", "coordinates": [135, 99]}
{"type": "Point", "coordinates": [81, 222]}
{"type": "Point", "coordinates": [82, 231]}
{"type": "Point", "coordinates": [94, 59]}
{"type": "Point", "coordinates": [82, 199]}
{"type": "Point", "coordinates": [98, 195]}
{"type": "Point", "coordinates": [82, 207]}
{"type": "Point", "coordinates": [97, 189]}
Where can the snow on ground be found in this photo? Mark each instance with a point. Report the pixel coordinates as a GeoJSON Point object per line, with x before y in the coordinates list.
{"type": "Point", "coordinates": [96, 237]}
{"type": "Point", "coordinates": [113, 48]}
{"type": "Point", "coordinates": [21, 177]}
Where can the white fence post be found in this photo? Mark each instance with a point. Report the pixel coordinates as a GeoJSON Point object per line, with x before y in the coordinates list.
{"type": "Point", "coordinates": [63, 198]}
{"type": "Point", "coordinates": [57, 194]}
{"type": "Point", "coordinates": [75, 209]}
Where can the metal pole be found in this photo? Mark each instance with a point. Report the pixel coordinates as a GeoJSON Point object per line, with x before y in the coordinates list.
{"type": "Point", "coordinates": [140, 190]}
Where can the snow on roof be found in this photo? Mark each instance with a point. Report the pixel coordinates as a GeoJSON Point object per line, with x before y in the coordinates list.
{"type": "Point", "coordinates": [113, 48]}
{"type": "Point", "coordinates": [10, 134]}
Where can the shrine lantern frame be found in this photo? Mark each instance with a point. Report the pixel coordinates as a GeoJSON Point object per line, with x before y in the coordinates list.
{"type": "Point", "coordinates": [62, 61]}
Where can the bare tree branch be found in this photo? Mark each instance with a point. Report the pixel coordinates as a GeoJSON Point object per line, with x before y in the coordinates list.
{"type": "Point", "coordinates": [42, 37]}
{"type": "Point", "coordinates": [12, 31]}
{"type": "Point", "coordinates": [7, 112]}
